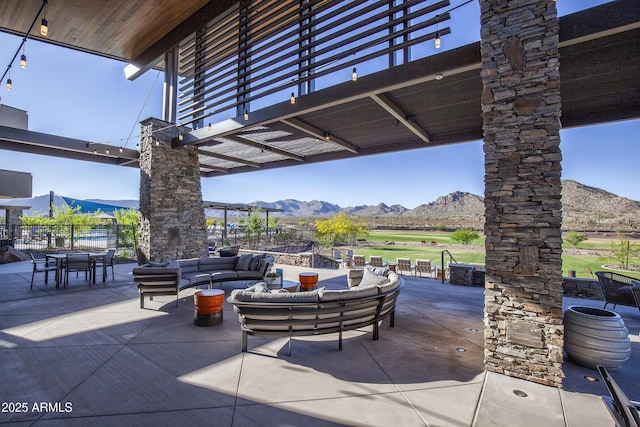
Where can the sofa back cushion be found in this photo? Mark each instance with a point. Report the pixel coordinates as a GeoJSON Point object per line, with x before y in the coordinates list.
{"type": "Point", "coordinates": [351, 293]}
{"type": "Point", "coordinates": [213, 264]}
{"type": "Point", "coordinates": [188, 265]}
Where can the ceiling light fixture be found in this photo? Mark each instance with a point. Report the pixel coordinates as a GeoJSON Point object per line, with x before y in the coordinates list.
{"type": "Point", "coordinates": [439, 76]}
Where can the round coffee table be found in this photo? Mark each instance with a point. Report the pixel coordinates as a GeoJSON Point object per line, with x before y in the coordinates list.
{"type": "Point", "coordinates": [290, 285]}
{"type": "Point", "coordinates": [208, 311]}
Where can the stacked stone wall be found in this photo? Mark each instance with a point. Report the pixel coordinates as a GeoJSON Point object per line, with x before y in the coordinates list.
{"type": "Point", "coordinates": [521, 123]}
{"type": "Point", "coordinates": [172, 222]}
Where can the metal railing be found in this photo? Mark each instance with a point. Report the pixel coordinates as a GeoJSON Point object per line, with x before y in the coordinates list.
{"type": "Point", "coordinates": [452, 260]}
{"type": "Point", "coordinates": [72, 237]}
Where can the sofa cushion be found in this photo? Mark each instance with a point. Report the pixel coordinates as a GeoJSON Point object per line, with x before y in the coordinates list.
{"type": "Point", "coordinates": [243, 262]}
{"type": "Point", "coordinates": [393, 283]}
{"type": "Point", "coordinates": [190, 264]}
{"type": "Point", "coordinates": [224, 275]}
{"type": "Point", "coordinates": [344, 294]}
{"type": "Point", "coordinates": [207, 264]}
{"type": "Point", "coordinates": [249, 274]}
{"type": "Point", "coordinates": [249, 295]}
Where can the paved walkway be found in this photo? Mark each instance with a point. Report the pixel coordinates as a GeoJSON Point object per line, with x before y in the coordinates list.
{"type": "Point", "coordinates": [90, 356]}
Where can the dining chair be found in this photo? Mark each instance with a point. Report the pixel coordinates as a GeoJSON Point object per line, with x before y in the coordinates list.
{"type": "Point", "coordinates": [108, 262]}
{"type": "Point", "coordinates": [77, 263]}
{"type": "Point", "coordinates": [42, 266]}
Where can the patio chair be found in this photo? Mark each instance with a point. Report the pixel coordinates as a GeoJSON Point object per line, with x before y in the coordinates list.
{"type": "Point", "coordinates": [404, 264]}
{"type": "Point", "coordinates": [376, 261]}
{"type": "Point", "coordinates": [617, 289]}
{"type": "Point", "coordinates": [623, 410]}
{"type": "Point", "coordinates": [423, 266]}
{"type": "Point", "coordinates": [77, 263]}
{"type": "Point", "coordinates": [358, 260]}
{"type": "Point", "coordinates": [337, 257]}
{"type": "Point", "coordinates": [108, 262]}
{"type": "Point", "coordinates": [42, 266]}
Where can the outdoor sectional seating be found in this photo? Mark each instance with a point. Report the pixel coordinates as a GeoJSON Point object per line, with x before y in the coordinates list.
{"type": "Point", "coordinates": [321, 311]}
{"type": "Point", "coordinates": [169, 277]}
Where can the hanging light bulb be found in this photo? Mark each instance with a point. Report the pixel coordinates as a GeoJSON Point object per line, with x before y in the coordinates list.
{"type": "Point", "coordinates": [106, 151]}
{"type": "Point", "coordinates": [246, 114]}
{"type": "Point", "coordinates": [209, 127]}
{"type": "Point", "coordinates": [44, 24]}
{"type": "Point", "coordinates": [293, 98]}
{"type": "Point", "coordinates": [9, 84]}
{"type": "Point", "coordinates": [157, 142]}
{"type": "Point", "coordinates": [121, 150]}
{"type": "Point", "coordinates": [437, 41]}
{"type": "Point", "coordinates": [23, 61]}
{"type": "Point", "coordinates": [44, 27]}
{"type": "Point", "coordinates": [354, 74]}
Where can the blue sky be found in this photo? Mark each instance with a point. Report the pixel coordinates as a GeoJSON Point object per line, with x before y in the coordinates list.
{"type": "Point", "coordinates": [82, 96]}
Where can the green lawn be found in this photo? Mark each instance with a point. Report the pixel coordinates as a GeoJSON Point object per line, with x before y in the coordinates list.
{"type": "Point", "coordinates": [408, 244]}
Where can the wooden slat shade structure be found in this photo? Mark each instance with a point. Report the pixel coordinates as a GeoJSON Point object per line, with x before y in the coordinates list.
{"type": "Point", "coordinates": [249, 56]}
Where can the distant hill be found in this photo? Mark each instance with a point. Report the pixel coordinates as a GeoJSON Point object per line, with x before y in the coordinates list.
{"type": "Point", "coordinates": [456, 203]}
{"type": "Point", "coordinates": [584, 207]}
{"type": "Point", "coordinates": [590, 207]}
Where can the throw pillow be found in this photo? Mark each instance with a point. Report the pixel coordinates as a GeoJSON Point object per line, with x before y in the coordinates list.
{"type": "Point", "coordinates": [158, 264]}
{"type": "Point", "coordinates": [171, 263]}
{"type": "Point", "coordinates": [255, 261]}
{"type": "Point", "coordinates": [369, 278]}
{"type": "Point", "coordinates": [243, 262]}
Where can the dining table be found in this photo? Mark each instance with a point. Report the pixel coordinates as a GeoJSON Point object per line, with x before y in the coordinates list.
{"type": "Point", "coordinates": [94, 257]}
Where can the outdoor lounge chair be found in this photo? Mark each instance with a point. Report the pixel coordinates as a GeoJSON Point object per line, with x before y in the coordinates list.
{"type": "Point", "coordinates": [358, 260]}
{"type": "Point", "coordinates": [423, 266]}
{"type": "Point", "coordinates": [618, 289]}
{"type": "Point", "coordinates": [404, 264]}
{"type": "Point", "coordinates": [42, 266]}
{"type": "Point", "coordinates": [375, 261]}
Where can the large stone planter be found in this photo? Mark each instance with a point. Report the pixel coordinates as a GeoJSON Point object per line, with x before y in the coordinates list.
{"type": "Point", "coordinates": [594, 336]}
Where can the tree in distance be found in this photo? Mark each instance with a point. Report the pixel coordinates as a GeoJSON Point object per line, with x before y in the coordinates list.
{"type": "Point", "coordinates": [574, 238]}
{"type": "Point", "coordinates": [464, 235]}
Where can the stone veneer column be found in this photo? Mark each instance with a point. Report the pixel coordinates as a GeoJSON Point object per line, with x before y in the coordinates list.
{"type": "Point", "coordinates": [172, 222]}
{"type": "Point", "coordinates": [13, 217]}
{"type": "Point", "coordinates": [521, 112]}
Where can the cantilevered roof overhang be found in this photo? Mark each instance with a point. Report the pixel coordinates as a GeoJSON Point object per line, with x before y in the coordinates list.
{"type": "Point", "coordinates": [428, 102]}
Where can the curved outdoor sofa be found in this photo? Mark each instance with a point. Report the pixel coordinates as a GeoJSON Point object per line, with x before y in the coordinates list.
{"type": "Point", "coordinates": [169, 277]}
{"type": "Point", "coordinates": [321, 311]}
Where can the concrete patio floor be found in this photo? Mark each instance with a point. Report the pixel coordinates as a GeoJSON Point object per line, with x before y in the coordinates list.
{"type": "Point", "coordinates": [90, 356]}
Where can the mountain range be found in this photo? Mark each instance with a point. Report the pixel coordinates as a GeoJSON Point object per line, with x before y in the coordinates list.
{"type": "Point", "coordinates": [583, 207]}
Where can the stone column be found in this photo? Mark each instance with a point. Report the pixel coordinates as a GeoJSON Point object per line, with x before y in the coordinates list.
{"type": "Point", "coordinates": [13, 217]}
{"type": "Point", "coordinates": [521, 122]}
{"type": "Point", "coordinates": [172, 222]}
